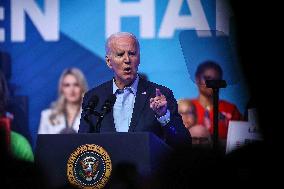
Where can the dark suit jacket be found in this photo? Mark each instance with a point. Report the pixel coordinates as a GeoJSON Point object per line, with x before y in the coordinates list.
{"type": "Point", "coordinates": [143, 117]}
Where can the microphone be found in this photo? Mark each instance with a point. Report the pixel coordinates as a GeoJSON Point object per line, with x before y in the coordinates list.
{"type": "Point", "coordinates": [108, 104]}
{"type": "Point", "coordinates": [89, 109]}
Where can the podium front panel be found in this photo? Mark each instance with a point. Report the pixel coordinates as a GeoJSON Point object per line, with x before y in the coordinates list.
{"type": "Point", "coordinates": [143, 150]}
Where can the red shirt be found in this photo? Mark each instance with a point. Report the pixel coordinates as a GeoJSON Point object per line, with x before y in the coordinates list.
{"type": "Point", "coordinates": [227, 111]}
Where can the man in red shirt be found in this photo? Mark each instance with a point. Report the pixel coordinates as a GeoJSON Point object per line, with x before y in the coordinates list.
{"type": "Point", "coordinates": [209, 70]}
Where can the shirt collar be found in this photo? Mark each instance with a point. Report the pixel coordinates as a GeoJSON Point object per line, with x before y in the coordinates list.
{"type": "Point", "coordinates": [133, 87]}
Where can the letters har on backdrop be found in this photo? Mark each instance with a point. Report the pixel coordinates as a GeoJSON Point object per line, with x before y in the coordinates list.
{"type": "Point", "coordinates": [46, 36]}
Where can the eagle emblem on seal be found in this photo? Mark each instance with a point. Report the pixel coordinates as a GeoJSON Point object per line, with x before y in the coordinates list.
{"type": "Point", "coordinates": [89, 168]}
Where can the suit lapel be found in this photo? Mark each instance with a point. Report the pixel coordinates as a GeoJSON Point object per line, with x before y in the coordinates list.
{"type": "Point", "coordinates": [140, 101]}
{"type": "Point", "coordinates": [108, 121]}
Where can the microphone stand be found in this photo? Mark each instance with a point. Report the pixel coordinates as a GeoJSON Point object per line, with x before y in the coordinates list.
{"type": "Point", "coordinates": [215, 85]}
{"type": "Point", "coordinates": [98, 123]}
{"type": "Point", "coordinates": [96, 128]}
{"type": "Point", "coordinates": [106, 109]}
{"type": "Point", "coordinates": [93, 128]}
{"type": "Point", "coordinates": [108, 104]}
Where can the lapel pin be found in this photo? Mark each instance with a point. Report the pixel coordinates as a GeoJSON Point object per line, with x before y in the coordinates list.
{"type": "Point", "coordinates": [144, 93]}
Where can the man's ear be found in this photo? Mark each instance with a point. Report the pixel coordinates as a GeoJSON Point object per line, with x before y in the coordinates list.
{"type": "Point", "coordinates": [107, 58]}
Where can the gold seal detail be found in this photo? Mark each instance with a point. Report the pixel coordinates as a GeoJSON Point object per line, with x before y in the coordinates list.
{"type": "Point", "coordinates": [89, 166]}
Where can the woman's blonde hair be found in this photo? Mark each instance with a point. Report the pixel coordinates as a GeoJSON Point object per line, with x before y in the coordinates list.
{"type": "Point", "coordinates": [58, 106]}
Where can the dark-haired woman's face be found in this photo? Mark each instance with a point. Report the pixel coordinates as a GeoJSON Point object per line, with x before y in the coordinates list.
{"type": "Point", "coordinates": [208, 74]}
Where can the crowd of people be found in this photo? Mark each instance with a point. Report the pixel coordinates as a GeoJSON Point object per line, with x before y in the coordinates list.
{"type": "Point", "coordinates": [140, 105]}
{"type": "Point", "coordinates": [64, 114]}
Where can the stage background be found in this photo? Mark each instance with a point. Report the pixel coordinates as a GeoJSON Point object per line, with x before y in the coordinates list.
{"type": "Point", "coordinates": [44, 37]}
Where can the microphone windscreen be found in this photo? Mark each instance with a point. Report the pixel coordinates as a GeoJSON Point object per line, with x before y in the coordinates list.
{"type": "Point", "coordinates": [110, 101]}
{"type": "Point", "coordinates": [93, 101]}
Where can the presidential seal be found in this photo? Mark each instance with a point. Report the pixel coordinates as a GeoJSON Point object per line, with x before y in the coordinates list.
{"type": "Point", "coordinates": [89, 166]}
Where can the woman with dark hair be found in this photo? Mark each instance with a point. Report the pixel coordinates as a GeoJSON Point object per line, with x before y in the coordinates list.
{"type": "Point", "coordinates": [210, 70]}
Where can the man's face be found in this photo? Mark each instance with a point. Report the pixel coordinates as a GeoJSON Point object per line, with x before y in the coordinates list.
{"type": "Point", "coordinates": [123, 59]}
{"type": "Point", "coordinates": [208, 74]}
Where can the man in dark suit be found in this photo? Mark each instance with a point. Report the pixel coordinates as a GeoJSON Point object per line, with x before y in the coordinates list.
{"type": "Point", "coordinates": [140, 105]}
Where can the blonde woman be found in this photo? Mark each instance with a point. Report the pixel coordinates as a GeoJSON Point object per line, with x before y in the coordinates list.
{"type": "Point", "coordinates": [64, 114]}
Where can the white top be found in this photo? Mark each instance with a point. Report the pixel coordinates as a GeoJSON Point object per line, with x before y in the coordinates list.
{"type": "Point", "coordinates": [46, 127]}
